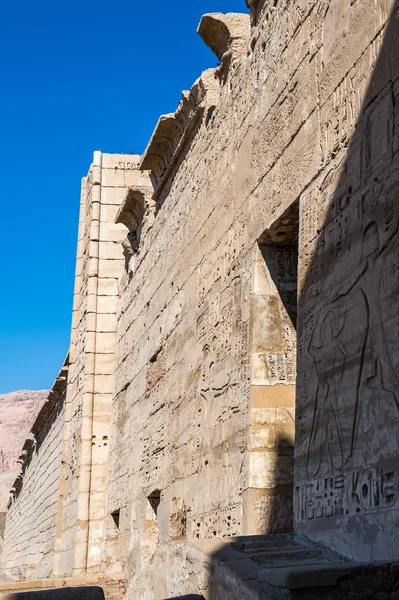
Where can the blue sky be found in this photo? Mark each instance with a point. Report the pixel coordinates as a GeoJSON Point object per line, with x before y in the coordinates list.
{"type": "Point", "coordinates": [75, 77]}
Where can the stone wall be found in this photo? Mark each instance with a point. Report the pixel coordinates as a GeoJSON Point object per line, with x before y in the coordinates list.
{"type": "Point", "coordinates": [347, 436]}
{"type": "Point", "coordinates": [206, 352]}
{"type": "Point", "coordinates": [252, 180]}
{"type": "Point", "coordinates": [30, 533]}
{"type": "Point", "coordinates": [99, 265]}
{"type": "Point", "coordinates": [18, 411]}
{"type": "Point", "coordinates": [276, 176]}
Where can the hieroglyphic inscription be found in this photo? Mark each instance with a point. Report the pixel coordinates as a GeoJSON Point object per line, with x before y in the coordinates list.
{"type": "Point", "coordinates": [219, 408]}
{"type": "Point", "coordinates": [280, 368]}
{"type": "Point", "coordinates": [347, 494]}
{"type": "Point", "coordinates": [126, 166]}
{"type": "Point", "coordinates": [153, 455]}
{"type": "Point", "coordinates": [218, 523]}
{"type": "Point", "coordinates": [275, 314]}
{"type": "Point", "coordinates": [220, 262]}
{"type": "Point", "coordinates": [341, 110]}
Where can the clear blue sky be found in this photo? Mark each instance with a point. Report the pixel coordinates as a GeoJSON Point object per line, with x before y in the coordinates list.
{"type": "Point", "coordinates": [75, 77]}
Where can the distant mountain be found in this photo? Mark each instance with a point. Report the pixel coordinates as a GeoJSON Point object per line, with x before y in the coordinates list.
{"type": "Point", "coordinates": [18, 411]}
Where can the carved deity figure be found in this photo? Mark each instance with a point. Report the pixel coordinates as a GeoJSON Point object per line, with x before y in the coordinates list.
{"type": "Point", "coordinates": [357, 383]}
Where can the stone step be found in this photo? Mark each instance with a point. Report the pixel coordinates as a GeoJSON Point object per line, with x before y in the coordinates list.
{"type": "Point", "coordinates": [273, 547]}
{"type": "Point", "coordinates": [276, 538]}
{"type": "Point", "coordinates": [330, 582]}
{"type": "Point", "coordinates": [246, 558]}
{"type": "Point", "coordinates": [287, 556]}
{"type": "Point", "coordinates": [292, 567]}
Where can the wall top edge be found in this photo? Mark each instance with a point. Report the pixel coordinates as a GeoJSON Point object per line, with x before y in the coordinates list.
{"type": "Point", "coordinates": [47, 408]}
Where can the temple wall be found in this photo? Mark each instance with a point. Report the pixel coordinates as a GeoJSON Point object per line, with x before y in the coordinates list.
{"type": "Point", "coordinates": [191, 362]}
{"type": "Point", "coordinates": [206, 366]}
{"type": "Point", "coordinates": [205, 380]}
{"type": "Point", "coordinates": [31, 524]}
{"type": "Point", "coordinates": [347, 445]}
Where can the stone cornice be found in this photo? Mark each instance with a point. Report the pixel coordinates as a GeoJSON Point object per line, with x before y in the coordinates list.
{"type": "Point", "coordinates": [227, 35]}
{"type": "Point", "coordinates": [173, 131]}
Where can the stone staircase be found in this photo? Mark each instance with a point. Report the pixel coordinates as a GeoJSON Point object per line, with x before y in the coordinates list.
{"type": "Point", "coordinates": [292, 567]}
{"type": "Point", "coordinates": [287, 549]}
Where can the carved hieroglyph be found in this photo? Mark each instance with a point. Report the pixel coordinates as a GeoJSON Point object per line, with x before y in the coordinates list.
{"type": "Point", "coordinates": [348, 382]}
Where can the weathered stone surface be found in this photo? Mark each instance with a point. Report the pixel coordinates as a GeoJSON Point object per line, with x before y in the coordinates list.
{"type": "Point", "coordinates": [18, 411]}
{"type": "Point", "coordinates": [346, 476]}
{"type": "Point", "coordinates": [255, 297]}
{"type": "Point", "coordinates": [32, 509]}
{"type": "Point", "coordinates": [225, 34]}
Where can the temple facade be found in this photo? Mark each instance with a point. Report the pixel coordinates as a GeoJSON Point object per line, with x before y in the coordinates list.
{"type": "Point", "coordinates": [233, 370]}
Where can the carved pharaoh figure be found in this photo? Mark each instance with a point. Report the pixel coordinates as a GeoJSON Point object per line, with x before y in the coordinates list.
{"type": "Point", "coordinates": [352, 350]}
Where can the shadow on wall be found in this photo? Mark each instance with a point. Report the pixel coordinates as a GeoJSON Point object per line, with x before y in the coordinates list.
{"type": "Point", "coordinates": [348, 387]}
{"type": "Point", "coordinates": [348, 360]}
{"type": "Point", "coordinates": [238, 562]}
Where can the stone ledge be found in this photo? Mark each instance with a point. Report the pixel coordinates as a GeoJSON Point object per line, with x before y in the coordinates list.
{"type": "Point", "coordinates": [136, 203]}
{"type": "Point", "coordinates": [227, 35]}
{"type": "Point", "coordinates": [112, 586]}
{"type": "Point", "coordinates": [64, 593]}
{"type": "Point", "coordinates": [59, 582]}
{"type": "Point", "coordinates": [356, 581]}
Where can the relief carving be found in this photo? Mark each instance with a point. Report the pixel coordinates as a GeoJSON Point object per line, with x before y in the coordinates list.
{"type": "Point", "coordinates": [217, 413]}
{"type": "Point", "coordinates": [353, 348]}
{"type": "Point", "coordinates": [347, 494]}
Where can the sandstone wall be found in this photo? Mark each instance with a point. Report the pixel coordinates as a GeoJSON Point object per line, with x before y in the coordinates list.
{"type": "Point", "coordinates": [18, 410]}
{"type": "Point", "coordinates": [276, 174]}
{"type": "Point", "coordinates": [347, 434]}
{"type": "Point", "coordinates": [100, 263]}
{"type": "Point", "coordinates": [206, 352]}
{"type": "Point", "coordinates": [246, 175]}
{"type": "Point", "coordinates": [30, 532]}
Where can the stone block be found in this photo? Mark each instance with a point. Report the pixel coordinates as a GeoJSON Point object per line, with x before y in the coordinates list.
{"type": "Point", "coordinates": [111, 268]}
{"type": "Point", "coordinates": [107, 287]}
{"type": "Point", "coordinates": [106, 323]}
{"type": "Point", "coordinates": [104, 343]}
{"type": "Point", "coordinates": [112, 196]}
{"type": "Point", "coordinates": [111, 250]}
